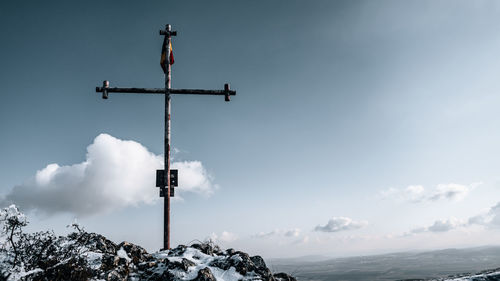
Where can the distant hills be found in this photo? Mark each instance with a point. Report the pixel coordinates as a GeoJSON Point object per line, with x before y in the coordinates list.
{"type": "Point", "coordinates": [397, 266]}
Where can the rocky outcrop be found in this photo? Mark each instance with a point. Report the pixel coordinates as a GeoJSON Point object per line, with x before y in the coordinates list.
{"type": "Point", "coordinates": [90, 256]}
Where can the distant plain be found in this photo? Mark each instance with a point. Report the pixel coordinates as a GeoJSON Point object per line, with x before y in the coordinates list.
{"type": "Point", "coordinates": [395, 266]}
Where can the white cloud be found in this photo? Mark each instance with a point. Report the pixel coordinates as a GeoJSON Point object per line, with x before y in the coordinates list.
{"type": "Point", "coordinates": [337, 224]}
{"type": "Point", "coordinates": [445, 225]}
{"type": "Point", "coordinates": [115, 174]}
{"type": "Point", "coordinates": [417, 230]}
{"type": "Point", "coordinates": [415, 189]}
{"type": "Point", "coordinates": [412, 193]}
{"type": "Point", "coordinates": [450, 191]}
{"type": "Point", "coordinates": [440, 226]}
{"type": "Point", "coordinates": [417, 193]}
{"type": "Point", "coordinates": [194, 178]}
{"type": "Point", "coordinates": [265, 234]}
{"type": "Point", "coordinates": [225, 236]}
{"type": "Point", "coordinates": [292, 232]}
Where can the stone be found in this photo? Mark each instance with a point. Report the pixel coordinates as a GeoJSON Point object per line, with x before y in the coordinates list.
{"type": "Point", "coordinates": [178, 251]}
{"type": "Point", "coordinates": [259, 266]}
{"type": "Point", "coordinates": [242, 262]}
{"type": "Point", "coordinates": [221, 263]}
{"type": "Point", "coordinates": [230, 252]}
{"type": "Point", "coordinates": [107, 262]}
{"type": "Point", "coordinates": [184, 264]}
{"type": "Point", "coordinates": [283, 277]}
{"type": "Point", "coordinates": [136, 253]}
{"type": "Point", "coordinates": [208, 249]}
{"type": "Point", "coordinates": [94, 241]}
{"type": "Point", "coordinates": [75, 269]}
{"type": "Point", "coordinates": [205, 275]}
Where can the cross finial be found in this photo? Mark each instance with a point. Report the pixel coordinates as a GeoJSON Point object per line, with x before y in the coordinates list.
{"type": "Point", "coordinates": [168, 31]}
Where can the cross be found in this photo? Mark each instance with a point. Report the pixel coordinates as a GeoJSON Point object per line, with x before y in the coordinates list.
{"type": "Point", "coordinates": [166, 179]}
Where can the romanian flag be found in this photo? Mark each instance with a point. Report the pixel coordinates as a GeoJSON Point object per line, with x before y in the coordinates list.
{"type": "Point", "coordinates": [163, 60]}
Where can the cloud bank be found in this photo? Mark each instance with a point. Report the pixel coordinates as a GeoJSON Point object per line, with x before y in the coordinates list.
{"type": "Point", "coordinates": [337, 224]}
{"type": "Point", "coordinates": [490, 219]}
{"type": "Point", "coordinates": [417, 193]}
{"type": "Point", "coordinates": [115, 174]}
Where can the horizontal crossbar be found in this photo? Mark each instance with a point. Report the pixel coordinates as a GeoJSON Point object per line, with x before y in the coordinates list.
{"type": "Point", "coordinates": [105, 89]}
{"type": "Point", "coordinates": [162, 91]}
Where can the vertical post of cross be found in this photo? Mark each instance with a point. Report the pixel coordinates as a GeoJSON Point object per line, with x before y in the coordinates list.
{"type": "Point", "coordinates": [168, 83]}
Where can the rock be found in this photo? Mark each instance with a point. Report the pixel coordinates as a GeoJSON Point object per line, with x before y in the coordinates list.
{"type": "Point", "coordinates": [265, 273]}
{"type": "Point", "coordinates": [120, 261]}
{"type": "Point", "coordinates": [147, 265]}
{"type": "Point", "coordinates": [221, 263]}
{"type": "Point", "coordinates": [104, 245]}
{"type": "Point", "coordinates": [242, 262]}
{"type": "Point", "coordinates": [283, 277]}
{"type": "Point", "coordinates": [178, 251]}
{"type": "Point", "coordinates": [208, 248]}
{"type": "Point", "coordinates": [258, 261]}
{"type": "Point", "coordinates": [259, 266]}
{"type": "Point", "coordinates": [184, 264]}
{"type": "Point", "coordinates": [107, 262]}
{"type": "Point", "coordinates": [115, 275]}
{"type": "Point", "coordinates": [75, 269]}
{"type": "Point", "coordinates": [166, 276]}
{"type": "Point", "coordinates": [119, 273]}
{"type": "Point", "coordinates": [230, 252]}
{"type": "Point", "coordinates": [94, 241]}
{"type": "Point", "coordinates": [136, 253]}
{"type": "Point", "coordinates": [205, 275]}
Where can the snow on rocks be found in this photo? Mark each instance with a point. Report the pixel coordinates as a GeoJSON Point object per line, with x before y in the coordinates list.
{"type": "Point", "coordinates": [207, 262]}
{"type": "Point", "coordinates": [90, 256]}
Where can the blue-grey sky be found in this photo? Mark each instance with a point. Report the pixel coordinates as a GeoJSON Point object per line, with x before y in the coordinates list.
{"type": "Point", "coordinates": [358, 127]}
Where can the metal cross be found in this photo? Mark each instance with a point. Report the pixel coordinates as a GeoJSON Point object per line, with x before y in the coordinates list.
{"type": "Point", "coordinates": [166, 180]}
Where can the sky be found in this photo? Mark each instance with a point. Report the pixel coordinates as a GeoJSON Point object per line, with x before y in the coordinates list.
{"type": "Point", "coordinates": [359, 127]}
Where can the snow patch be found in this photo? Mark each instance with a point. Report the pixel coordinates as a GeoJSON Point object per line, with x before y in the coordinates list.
{"type": "Point", "coordinates": [123, 254]}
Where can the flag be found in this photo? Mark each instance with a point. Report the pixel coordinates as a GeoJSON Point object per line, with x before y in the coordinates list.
{"type": "Point", "coordinates": [171, 54]}
{"type": "Point", "coordinates": [163, 60]}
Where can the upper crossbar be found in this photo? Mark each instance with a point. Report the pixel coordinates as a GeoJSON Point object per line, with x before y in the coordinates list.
{"type": "Point", "coordinates": [105, 89]}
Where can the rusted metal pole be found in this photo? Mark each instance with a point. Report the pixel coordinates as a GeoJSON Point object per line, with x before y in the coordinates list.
{"type": "Point", "coordinates": [166, 207]}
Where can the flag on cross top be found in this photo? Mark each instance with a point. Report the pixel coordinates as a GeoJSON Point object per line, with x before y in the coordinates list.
{"type": "Point", "coordinates": [163, 60]}
{"type": "Point", "coordinates": [171, 54]}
